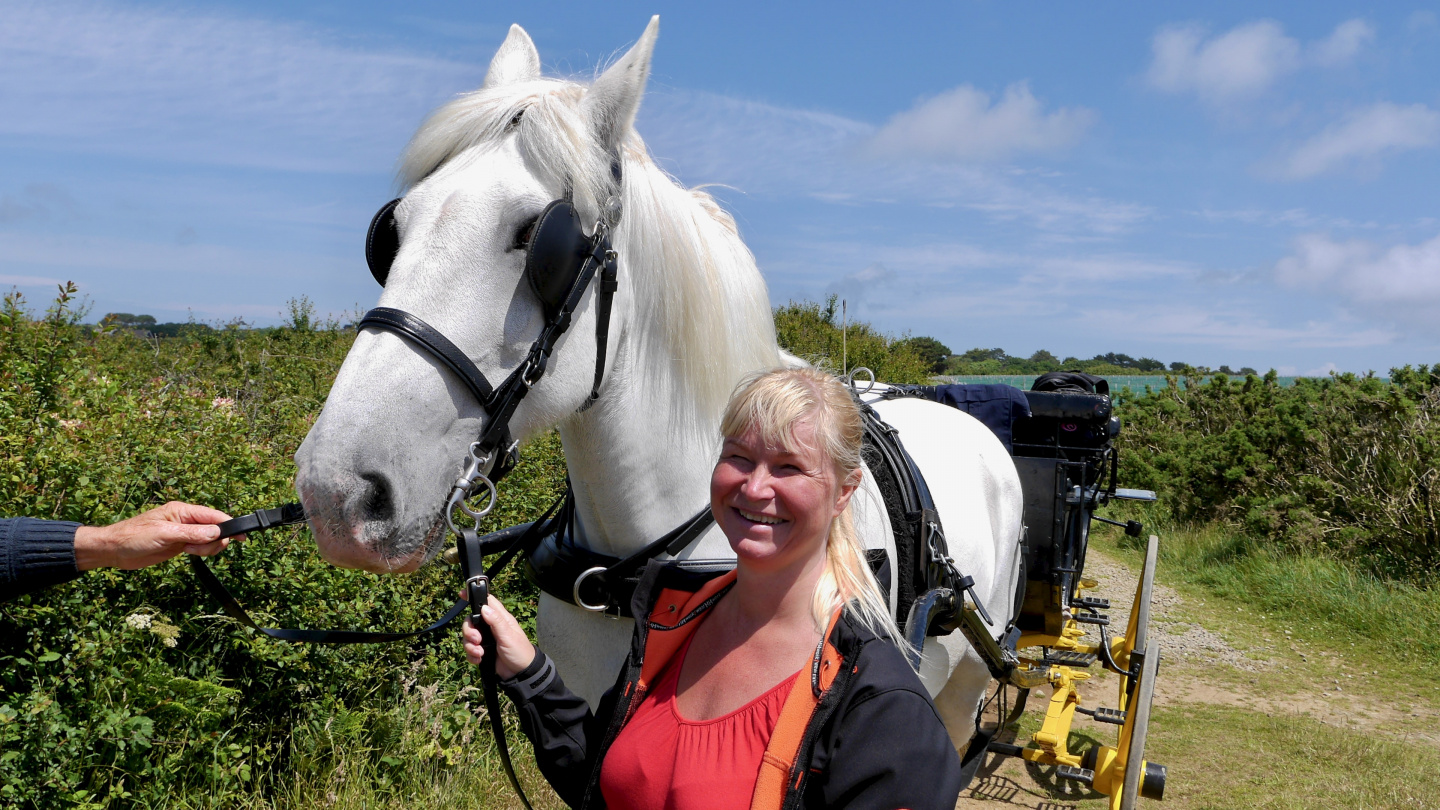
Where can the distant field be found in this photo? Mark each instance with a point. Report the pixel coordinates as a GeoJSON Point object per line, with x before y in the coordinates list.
{"type": "Point", "coordinates": [1135, 383]}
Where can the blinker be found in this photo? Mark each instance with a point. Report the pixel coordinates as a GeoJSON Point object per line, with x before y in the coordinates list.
{"type": "Point", "coordinates": [554, 254]}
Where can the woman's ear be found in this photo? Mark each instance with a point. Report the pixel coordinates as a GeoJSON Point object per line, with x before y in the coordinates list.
{"type": "Point", "coordinates": [847, 490]}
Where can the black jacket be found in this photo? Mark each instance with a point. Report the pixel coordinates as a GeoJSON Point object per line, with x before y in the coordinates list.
{"type": "Point", "coordinates": [35, 554]}
{"type": "Point", "coordinates": [875, 740]}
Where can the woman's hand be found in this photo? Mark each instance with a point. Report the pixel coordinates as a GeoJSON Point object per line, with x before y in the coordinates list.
{"type": "Point", "coordinates": [514, 652]}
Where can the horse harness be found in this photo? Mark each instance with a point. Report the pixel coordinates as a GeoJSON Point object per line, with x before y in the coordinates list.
{"type": "Point", "coordinates": [561, 262]}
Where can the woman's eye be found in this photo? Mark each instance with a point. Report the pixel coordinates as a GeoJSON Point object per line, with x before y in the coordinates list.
{"type": "Point", "coordinates": [523, 235]}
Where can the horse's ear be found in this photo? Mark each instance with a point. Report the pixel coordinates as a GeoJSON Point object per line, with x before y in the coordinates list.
{"type": "Point", "coordinates": [516, 61]}
{"type": "Point", "coordinates": [614, 99]}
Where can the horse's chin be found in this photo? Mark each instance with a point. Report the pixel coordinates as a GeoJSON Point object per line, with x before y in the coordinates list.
{"type": "Point", "coordinates": [378, 557]}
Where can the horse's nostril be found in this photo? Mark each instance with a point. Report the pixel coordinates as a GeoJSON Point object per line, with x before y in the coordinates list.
{"type": "Point", "coordinates": [379, 503]}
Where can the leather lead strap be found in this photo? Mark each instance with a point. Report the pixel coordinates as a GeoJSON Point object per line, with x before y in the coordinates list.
{"type": "Point", "coordinates": [294, 513]}
{"type": "Point", "coordinates": [477, 585]}
{"type": "Point", "coordinates": [236, 612]}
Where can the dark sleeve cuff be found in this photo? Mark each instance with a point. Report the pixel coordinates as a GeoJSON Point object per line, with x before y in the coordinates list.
{"type": "Point", "coordinates": [531, 680]}
{"type": "Point", "coordinates": [35, 554]}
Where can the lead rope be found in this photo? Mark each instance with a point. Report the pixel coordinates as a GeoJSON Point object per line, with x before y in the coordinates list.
{"type": "Point", "coordinates": [477, 588]}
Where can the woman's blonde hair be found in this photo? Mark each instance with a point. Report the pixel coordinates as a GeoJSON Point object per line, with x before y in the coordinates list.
{"type": "Point", "coordinates": [772, 402]}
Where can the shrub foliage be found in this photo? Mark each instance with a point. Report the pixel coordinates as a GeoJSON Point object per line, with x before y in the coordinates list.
{"type": "Point", "coordinates": [1347, 466]}
{"type": "Point", "coordinates": [131, 688]}
{"type": "Point", "coordinates": [814, 332]}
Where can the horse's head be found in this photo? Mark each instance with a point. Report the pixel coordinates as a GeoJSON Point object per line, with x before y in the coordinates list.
{"type": "Point", "coordinates": [376, 467]}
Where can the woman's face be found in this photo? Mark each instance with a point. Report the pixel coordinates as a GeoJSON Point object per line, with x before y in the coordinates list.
{"type": "Point", "coordinates": [775, 505]}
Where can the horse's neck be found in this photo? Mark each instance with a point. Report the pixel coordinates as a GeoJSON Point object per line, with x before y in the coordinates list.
{"type": "Point", "coordinates": [637, 465]}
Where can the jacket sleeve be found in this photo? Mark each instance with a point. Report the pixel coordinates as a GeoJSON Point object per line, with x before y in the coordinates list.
{"type": "Point", "coordinates": [889, 750]}
{"type": "Point", "coordinates": [35, 554]}
{"type": "Point", "coordinates": [559, 724]}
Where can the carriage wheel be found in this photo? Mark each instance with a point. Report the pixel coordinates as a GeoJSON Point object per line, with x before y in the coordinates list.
{"type": "Point", "coordinates": [1137, 723]}
{"type": "Point", "coordinates": [1138, 629]}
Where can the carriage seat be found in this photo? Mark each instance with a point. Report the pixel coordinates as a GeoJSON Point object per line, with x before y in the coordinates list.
{"type": "Point", "coordinates": [996, 406]}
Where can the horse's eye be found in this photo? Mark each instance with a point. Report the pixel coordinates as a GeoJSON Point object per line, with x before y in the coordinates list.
{"type": "Point", "coordinates": [523, 234]}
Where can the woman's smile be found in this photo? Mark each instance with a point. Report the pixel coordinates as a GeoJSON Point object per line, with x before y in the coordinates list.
{"type": "Point", "coordinates": [755, 517]}
{"type": "Point", "coordinates": [775, 504]}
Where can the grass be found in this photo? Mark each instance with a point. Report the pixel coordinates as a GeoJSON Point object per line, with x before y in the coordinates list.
{"type": "Point", "coordinates": [1341, 714]}
{"type": "Point", "coordinates": [1324, 602]}
{"type": "Point", "coordinates": [1225, 757]}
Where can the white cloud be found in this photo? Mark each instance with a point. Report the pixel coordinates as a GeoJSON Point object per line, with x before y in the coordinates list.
{"type": "Point", "coordinates": [29, 281]}
{"type": "Point", "coordinates": [1364, 135]}
{"type": "Point", "coordinates": [1245, 61]}
{"type": "Point", "coordinates": [209, 87]}
{"type": "Point", "coordinates": [962, 124]}
{"type": "Point", "coordinates": [1341, 46]}
{"type": "Point", "coordinates": [1364, 272]}
{"type": "Point", "coordinates": [765, 149]}
{"type": "Point", "coordinates": [1325, 370]}
{"type": "Point", "coordinates": [1247, 328]}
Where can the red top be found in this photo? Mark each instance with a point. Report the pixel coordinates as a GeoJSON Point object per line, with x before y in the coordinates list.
{"type": "Point", "coordinates": [662, 761]}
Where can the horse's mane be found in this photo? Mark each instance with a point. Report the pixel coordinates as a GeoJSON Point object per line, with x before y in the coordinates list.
{"type": "Point", "coordinates": [691, 272]}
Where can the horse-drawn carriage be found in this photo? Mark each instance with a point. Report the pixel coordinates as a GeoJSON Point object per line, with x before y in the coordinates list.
{"type": "Point", "coordinates": [1062, 441]}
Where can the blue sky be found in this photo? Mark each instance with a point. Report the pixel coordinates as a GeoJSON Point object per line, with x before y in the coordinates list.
{"type": "Point", "coordinates": [1242, 183]}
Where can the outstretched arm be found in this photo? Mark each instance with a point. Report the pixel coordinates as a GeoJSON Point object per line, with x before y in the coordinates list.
{"type": "Point", "coordinates": [151, 537]}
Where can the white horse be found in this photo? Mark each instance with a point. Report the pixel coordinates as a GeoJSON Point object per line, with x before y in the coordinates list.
{"type": "Point", "coordinates": [691, 317]}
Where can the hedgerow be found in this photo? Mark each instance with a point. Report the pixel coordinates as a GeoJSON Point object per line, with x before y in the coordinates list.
{"type": "Point", "coordinates": [1347, 466]}
{"type": "Point", "coordinates": [131, 688]}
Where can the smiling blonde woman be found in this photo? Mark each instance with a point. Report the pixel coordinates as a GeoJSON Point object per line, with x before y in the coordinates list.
{"type": "Point", "coordinates": [777, 684]}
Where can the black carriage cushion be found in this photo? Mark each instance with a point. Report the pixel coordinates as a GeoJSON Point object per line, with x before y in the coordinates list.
{"type": "Point", "coordinates": [1071, 381]}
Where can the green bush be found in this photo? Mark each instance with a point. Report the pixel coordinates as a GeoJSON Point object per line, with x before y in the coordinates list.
{"type": "Point", "coordinates": [812, 333]}
{"type": "Point", "coordinates": [131, 688]}
{"type": "Point", "coordinates": [1347, 466]}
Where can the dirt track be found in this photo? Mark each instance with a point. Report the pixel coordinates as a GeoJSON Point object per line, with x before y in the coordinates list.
{"type": "Point", "coordinates": [1199, 667]}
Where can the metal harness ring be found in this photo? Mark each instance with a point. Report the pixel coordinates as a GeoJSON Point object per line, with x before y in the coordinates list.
{"type": "Point", "coordinates": [489, 504]}
{"type": "Point", "coordinates": [850, 379]}
{"type": "Point", "coordinates": [580, 580]}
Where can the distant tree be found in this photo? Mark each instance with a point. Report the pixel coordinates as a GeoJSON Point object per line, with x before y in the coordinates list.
{"type": "Point", "coordinates": [1149, 364]}
{"type": "Point", "coordinates": [1178, 366]}
{"type": "Point", "coordinates": [1121, 360]}
{"type": "Point", "coordinates": [1043, 357]}
{"type": "Point", "coordinates": [1246, 370]}
{"type": "Point", "coordinates": [981, 355]}
{"type": "Point", "coordinates": [127, 319]}
{"type": "Point", "coordinates": [177, 329]}
{"type": "Point", "coordinates": [1227, 370]}
{"type": "Point", "coordinates": [931, 350]}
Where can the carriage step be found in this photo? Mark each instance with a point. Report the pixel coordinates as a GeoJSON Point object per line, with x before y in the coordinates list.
{"type": "Point", "coordinates": [1114, 717]}
{"type": "Point", "coordinates": [1082, 775]}
{"type": "Point", "coordinates": [1068, 658]}
{"type": "Point", "coordinates": [1103, 621]}
{"type": "Point", "coordinates": [1092, 602]}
